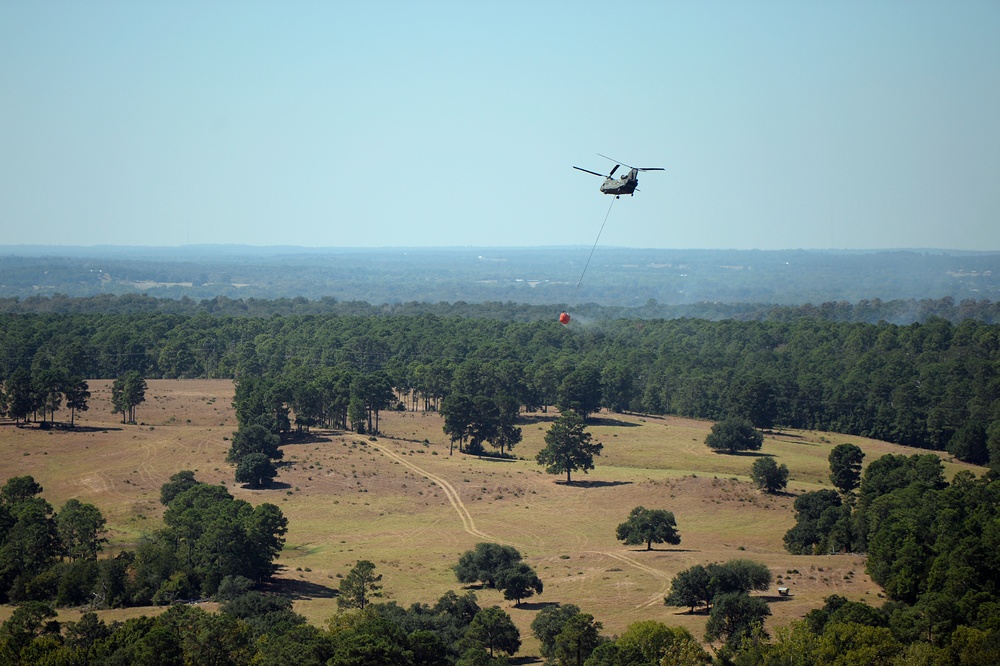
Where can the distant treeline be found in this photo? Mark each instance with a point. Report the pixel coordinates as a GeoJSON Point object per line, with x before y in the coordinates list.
{"type": "Point", "coordinates": [933, 385]}
{"type": "Point", "coordinates": [616, 277]}
{"type": "Point", "coordinates": [873, 311]}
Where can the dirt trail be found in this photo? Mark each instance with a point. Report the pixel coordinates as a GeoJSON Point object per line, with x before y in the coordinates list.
{"type": "Point", "coordinates": [656, 573]}
{"type": "Point", "coordinates": [468, 524]}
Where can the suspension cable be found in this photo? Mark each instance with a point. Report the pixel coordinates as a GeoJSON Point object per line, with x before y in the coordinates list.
{"type": "Point", "coordinates": [595, 247]}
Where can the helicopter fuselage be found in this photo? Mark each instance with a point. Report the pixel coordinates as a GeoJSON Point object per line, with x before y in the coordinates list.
{"type": "Point", "coordinates": [624, 185]}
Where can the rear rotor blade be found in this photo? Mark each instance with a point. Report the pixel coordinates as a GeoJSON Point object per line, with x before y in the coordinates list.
{"type": "Point", "coordinates": [651, 169]}
{"type": "Point", "coordinates": [599, 175]}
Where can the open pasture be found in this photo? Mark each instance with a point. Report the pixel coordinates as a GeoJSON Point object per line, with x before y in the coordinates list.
{"type": "Point", "coordinates": [401, 501]}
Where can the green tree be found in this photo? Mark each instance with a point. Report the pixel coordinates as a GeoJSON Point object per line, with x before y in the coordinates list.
{"type": "Point", "coordinates": [255, 469]}
{"type": "Point", "coordinates": [851, 643]}
{"type": "Point", "coordinates": [736, 615]}
{"type": "Point", "coordinates": [548, 624]}
{"type": "Point", "coordinates": [19, 394]}
{"type": "Point", "coordinates": [127, 393]}
{"type": "Point", "coordinates": [508, 434]}
{"type": "Point", "coordinates": [734, 434]}
{"type": "Point", "coordinates": [740, 575]}
{"type": "Point", "coordinates": [580, 636]}
{"type": "Point", "coordinates": [647, 641]}
{"type": "Point", "coordinates": [703, 585]}
{"type": "Point", "coordinates": [816, 514]}
{"type": "Point", "coordinates": [374, 391]}
{"type": "Point", "coordinates": [484, 425]}
{"type": "Point", "coordinates": [580, 391]}
{"type": "Point", "coordinates": [755, 400]}
{"type": "Point", "coordinates": [80, 527]}
{"type": "Point", "coordinates": [969, 444]}
{"type": "Point", "coordinates": [219, 536]}
{"type": "Point", "coordinates": [993, 447]}
{"type": "Point", "coordinates": [457, 412]}
{"type": "Point", "coordinates": [48, 386]}
{"type": "Point", "coordinates": [691, 587]}
{"type": "Point", "coordinates": [253, 439]}
{"type": "Point", "coordinates": [26, 623]}
{"type": "Point", "coordinates": [648, 526]}
{"type": "Point", "coordinates": [618, 386]}
{"type": "Point", "coordinates": [486, 563]}
{"type": "Point", "coordinates": [29, 542]}
{"type": "Point", "coordinates": [845, 467]}
{"type": "Point", "coordinates": [768, 475]}
{"type": "Point", "coordinates": [359, 586]}
{"type": "Point", "coordinates": [494, 629]}
{"type": "Point", "coordinates": [568, 447]}
{"type": "Point", "coordinates": [519, 582]}
{"type": "Point", "coordinates": [77, 393]}
{"type": "Point", "coordinates": [177, 484]}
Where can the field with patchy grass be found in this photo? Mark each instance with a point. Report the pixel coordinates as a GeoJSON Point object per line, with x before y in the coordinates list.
{"type": "Point", "coordinates": [401, 501]}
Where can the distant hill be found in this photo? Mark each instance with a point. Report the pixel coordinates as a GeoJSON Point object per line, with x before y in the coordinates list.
{"type": "Point", "coordinates": [619, 277]}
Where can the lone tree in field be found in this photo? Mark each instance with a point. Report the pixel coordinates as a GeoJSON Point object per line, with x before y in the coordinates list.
{"type": "Point", "coordinates": [127, 393]}
{"type": "Point", "coordinates": [519, 582]}
{"type": "Point", "coordinates": [734, 434]}
{"type": "Point", "coordinates": [256, 470]}
{"type": "Point", "coordinates": [649, 526]}
{"type": "Point", "coordinates": [845, 467]}
{"type": "Point", "coordinates": [769, 475]}
{"type": "Point", "coordinates": [568, 447]}
{"type": "Point", "coordinates": [499, 567]}
{"type": "Point", "coordinates": [486, 563]}
{"type": "Point", "coordinates": [359, 586]}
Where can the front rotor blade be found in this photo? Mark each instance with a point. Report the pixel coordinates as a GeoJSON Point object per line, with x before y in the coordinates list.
{"type": "Point", "coordinates": [599, 175]}
{"type": "Point", "coordinates": [613, 170]}
{"type": "Point", "coordinates": [618, 162]}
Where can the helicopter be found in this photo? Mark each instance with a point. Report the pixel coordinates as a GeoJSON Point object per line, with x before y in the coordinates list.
{"type": "Point", "coordinates": [625, 184]}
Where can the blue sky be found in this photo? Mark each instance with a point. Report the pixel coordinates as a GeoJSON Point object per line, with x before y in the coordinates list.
{"type": "Point", "coordinates": [332, 124]}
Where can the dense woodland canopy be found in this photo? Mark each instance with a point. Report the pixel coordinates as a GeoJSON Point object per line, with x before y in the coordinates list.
{"type": "Point", "coordinates": [934, 385]}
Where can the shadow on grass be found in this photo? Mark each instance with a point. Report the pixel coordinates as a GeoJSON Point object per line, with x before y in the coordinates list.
{"type": "Point", "coordinates": [594, 484]}
{"type": "Point", "coordinates": [57, 427]}
{"type": "Point", "coordinates": [299, 589]}
{"type": "Point", "coordinates": [654, 549]}
{"type": "Point", "coordinates": [700, 610]}
{"type": "Point", "coordinates": [528, 419]}
{"type": "Point", "coordinates": [497, 458]}
{"type": "Point", "coordinates": [274, 485]}
{"type": "Point", "coordinates": [746, 454]}
{"type": "Point", "coordinates": [769, 598]}
{"type": "Point", "coordinates": [783, 434]}
{"type": "Point", "coordinates": [536, 606]}
{"type": "Point", "coordinates": [606, 421]}
{"type": "Point", "coordinates": [305, 438]}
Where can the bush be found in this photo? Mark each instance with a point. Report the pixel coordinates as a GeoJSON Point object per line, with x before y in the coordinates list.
{"type": "Point", "coordinates": [734, 434]}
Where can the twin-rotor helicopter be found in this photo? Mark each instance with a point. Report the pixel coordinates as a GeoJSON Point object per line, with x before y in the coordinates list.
{"type": "Point", "coordinates": [626, 184]}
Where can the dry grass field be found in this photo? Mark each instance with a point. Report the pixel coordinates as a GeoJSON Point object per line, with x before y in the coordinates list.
{"type": "Point", "coordinates": [404, 503]}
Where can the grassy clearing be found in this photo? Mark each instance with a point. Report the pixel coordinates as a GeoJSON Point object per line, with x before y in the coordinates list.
{"type": "Point", "coordinates": [402, 502]}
